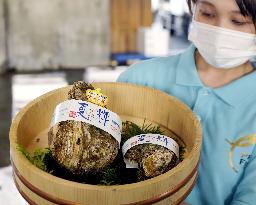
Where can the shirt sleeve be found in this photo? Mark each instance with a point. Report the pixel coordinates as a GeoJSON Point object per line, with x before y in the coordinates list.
{"type": "Point", "coordinates": [245, 193]}
{"type": "Point", "coordinates": [131, 75]}
{"type": "Point", "coordinates": [124, 77]}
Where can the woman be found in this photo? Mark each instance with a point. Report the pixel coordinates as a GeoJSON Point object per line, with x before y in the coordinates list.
{"type": "Point", "coordinates": [216, 79]}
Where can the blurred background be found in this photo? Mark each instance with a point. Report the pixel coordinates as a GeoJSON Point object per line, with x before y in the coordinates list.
{"type": "Point", "coordinates": [47, 44]}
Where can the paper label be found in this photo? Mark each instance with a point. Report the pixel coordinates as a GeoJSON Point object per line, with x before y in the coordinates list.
{"type": "Point", "coordinates": [156, 139]}
{"type": "Point", "coordinates": [90, 113]}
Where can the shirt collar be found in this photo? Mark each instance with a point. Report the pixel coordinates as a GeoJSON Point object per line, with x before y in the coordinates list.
{"type": "Point", "coordinates": [238, 91]}
{"type": "Point", "coordinates": [233, 93]}
{"type": "Point", "coordinates": [186, 73]}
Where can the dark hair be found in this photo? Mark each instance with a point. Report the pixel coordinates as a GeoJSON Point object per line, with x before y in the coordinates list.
{"type": "Point", "coordinates": [247, 8]}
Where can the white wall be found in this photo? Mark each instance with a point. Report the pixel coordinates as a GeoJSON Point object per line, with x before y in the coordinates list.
{"type": "Point", "coordinates": [58, 33]}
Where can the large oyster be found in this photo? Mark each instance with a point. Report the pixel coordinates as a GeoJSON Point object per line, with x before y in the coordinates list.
{"type": "Point", "coordinates": [152, 159]}
{"type": "Point", "coordinates": [78, 146]}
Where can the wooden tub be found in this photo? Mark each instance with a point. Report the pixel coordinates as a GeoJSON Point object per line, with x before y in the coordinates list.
{"type": "Point", "coordinates": [131, 102]}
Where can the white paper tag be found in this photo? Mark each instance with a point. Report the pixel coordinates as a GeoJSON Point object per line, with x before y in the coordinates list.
{"type": "Point", "coordinates": [157, 139]}
{"type": "Point", "coordinates": [90, 113]}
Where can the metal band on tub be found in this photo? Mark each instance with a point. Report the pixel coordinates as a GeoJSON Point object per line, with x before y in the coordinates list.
{"type": "Point", "coordinates": [156, 139]}
{"type": "Point", "coordinates": [90, 113]}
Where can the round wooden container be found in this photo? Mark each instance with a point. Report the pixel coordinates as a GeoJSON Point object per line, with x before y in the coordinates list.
{"type": "Point", "coordinates": [131, 102]}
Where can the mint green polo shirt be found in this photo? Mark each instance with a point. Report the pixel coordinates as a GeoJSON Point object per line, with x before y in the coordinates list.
{"type": "Point", "coordinates": [227, 169]}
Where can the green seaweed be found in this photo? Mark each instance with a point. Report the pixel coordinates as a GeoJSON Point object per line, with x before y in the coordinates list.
{"type": "Point", "coordinates": [42, 158]}
{"type": "Point", "coordinates": [131, 129]}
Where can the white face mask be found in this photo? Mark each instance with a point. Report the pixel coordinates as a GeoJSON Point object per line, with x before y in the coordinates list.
{"type": "Point", "coordinates": [221, 47]}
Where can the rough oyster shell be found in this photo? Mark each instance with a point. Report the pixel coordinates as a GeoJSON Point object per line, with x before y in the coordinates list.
{"type": "Point", "coordinates": [78, 146]}
{"type": "Point", "coordinates": [152, 159]}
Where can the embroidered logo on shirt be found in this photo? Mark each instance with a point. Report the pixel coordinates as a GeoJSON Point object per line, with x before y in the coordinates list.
{"type": "Point", "coordinates": [246, 141]}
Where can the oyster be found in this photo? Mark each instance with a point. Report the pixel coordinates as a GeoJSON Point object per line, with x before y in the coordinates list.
{"type": "Point", "coordinates": [80, 147]}
{"type": "Point", "coordinates": [152, 159]}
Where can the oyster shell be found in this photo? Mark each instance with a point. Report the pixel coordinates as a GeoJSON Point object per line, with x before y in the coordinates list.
{"type": "Point", "coordinates": [78, 146]}
{"type": "Point", "coordinates": [152, 159]}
